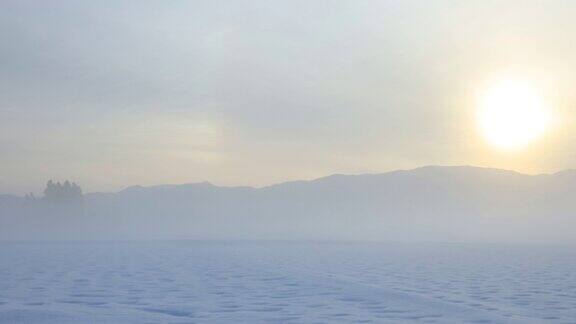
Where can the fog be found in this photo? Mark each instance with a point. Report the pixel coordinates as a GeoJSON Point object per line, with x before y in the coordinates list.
{"type": "Point", "coordinates": [111, 94]}
{"type": "Point", "coordinates": [252, 161]}
{"type": "Point", "coordinates": [253, 93]}
{"type": "Point", "coordinates": [442, 204]}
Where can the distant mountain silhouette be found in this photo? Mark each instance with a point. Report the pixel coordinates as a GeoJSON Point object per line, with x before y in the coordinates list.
{"type": "Point", "coordinates": [426, 204]}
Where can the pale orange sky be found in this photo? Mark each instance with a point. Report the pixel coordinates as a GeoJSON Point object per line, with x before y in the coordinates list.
{"type": "Point", "coordinates": [112, 94]}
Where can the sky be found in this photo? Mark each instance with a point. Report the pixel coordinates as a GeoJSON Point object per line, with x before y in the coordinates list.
{"type": "Point", "coordinates": [250, 92]}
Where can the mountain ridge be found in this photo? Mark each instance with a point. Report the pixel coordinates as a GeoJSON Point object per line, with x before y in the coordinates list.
{"type": "Point", "coordinates": [379, 174]}
{"type": "Point", "coordinates": [434, 203]}
{"type": "Point", "coordinates": [432, 168]}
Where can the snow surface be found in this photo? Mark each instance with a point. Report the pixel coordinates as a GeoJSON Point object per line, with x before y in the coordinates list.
{"type": "Point", "coordinates": [282, 282]}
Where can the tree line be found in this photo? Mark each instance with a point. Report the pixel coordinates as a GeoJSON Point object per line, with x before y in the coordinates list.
{"type": "Point", "coordinates": [59, 192]}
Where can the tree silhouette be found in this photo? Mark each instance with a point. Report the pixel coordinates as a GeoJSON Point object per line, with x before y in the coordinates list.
{"type": "Point", "coordinates": [67, 192]}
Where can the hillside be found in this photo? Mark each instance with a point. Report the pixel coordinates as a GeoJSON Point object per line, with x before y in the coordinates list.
{"type": "Point", "coordinates": [424, 204]}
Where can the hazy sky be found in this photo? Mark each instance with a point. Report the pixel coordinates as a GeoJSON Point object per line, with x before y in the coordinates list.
{"type": "Point", "coordinates": [115, 93]}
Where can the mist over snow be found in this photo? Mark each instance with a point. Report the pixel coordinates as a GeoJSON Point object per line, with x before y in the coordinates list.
{"type": "Point", "coordinates": [467, 204]}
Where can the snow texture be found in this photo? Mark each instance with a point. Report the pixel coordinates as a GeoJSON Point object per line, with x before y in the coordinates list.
{"type": "Point", "coordinates": [284, 282]}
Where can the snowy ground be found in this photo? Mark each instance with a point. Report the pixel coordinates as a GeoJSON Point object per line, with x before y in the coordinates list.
{"type": "Point", "coordinates": [232, 282]}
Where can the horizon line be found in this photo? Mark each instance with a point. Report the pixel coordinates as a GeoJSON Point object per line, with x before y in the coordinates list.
{"type": "Point", "coordinates": [314, 179]}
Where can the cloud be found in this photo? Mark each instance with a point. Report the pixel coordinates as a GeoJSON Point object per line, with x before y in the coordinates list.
{"type": "Point", "coordinates": [248, 83]}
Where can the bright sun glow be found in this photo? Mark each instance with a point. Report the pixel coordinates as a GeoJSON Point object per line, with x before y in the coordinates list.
{"type": "Point", "coordinates": [512, 114]}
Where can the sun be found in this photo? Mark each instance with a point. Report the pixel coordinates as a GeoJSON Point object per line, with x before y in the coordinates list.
{"type": "Point", "coordinates": [512, 114]}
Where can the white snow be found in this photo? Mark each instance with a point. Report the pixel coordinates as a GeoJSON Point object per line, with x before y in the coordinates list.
{"type": "Point", "coordinates": [274, 282]}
